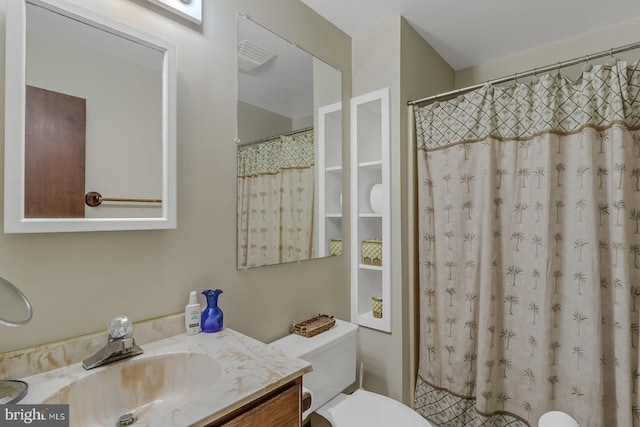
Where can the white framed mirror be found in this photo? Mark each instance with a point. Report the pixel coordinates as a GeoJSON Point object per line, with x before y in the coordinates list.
{"type": "Point", "coordinates": [90, 122]}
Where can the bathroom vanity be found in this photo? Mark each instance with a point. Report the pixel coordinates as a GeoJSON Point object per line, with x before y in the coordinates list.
{"type": "Point", "coordinates": [220, 379]}
{"type": "Point", "coordinates": [280, 408]}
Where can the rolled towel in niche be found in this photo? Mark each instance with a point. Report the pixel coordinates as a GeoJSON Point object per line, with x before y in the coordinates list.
{"type": "Point", "coordinates": [376, 198]}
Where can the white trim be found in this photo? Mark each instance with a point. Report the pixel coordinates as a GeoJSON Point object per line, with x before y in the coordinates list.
{"type": "Point", "coordinates": [14, 220]}
{"type": "Point", "coordinates": [322, 169]}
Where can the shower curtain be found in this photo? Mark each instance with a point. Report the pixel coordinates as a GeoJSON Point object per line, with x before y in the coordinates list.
{"type": "Point", "coordinates": [529, 213]}
{"type": "Point", "coordinates": [275, 201]}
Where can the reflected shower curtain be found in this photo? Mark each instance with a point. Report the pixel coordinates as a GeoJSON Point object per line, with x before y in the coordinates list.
{"type": "Point", "coordinates": [529, 201]}
{"type": "Point", "coordinates": [275, 201]}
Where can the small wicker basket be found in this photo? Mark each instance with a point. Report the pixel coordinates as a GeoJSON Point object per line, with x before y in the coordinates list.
{"type": "Point", "coordinates": [335, 246]}
{"type": "Point", "coordinates": [376, 307]}
{"type": "Point", "coordinates": [372, 252]}
{"type": "Point", "coordinates": [313, 326]}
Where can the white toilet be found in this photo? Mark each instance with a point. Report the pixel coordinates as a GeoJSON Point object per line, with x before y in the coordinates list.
{"type": "Point", "coordinates": [557, 419]}
{"type": "Point", "coordinates": [333, 357]}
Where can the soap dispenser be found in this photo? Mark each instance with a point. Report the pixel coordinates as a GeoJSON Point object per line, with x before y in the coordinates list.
{"type": "Point", "coordinates": [211, 320]}
{"type": "Point", "coordinates": [192, 315]}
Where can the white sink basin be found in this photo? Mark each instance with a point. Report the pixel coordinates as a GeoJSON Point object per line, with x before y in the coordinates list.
{"type": "Point", "coordinates": [147, 386]}
{"type": "Point", "coordinates": [177, 382]}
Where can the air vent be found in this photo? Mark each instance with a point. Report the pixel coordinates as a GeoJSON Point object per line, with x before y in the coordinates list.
{"type": "Point", "coordinates": [251, 56]}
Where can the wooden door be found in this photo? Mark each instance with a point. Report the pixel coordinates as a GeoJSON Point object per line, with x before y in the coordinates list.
{"type": "Point", "coordinates": [55, 134]}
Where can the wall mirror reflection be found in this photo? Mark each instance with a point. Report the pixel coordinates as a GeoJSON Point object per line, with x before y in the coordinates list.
{"type": "Point", "coordinates": [289, 151]}
{"type": "Point", "coordinates": [90, 114]}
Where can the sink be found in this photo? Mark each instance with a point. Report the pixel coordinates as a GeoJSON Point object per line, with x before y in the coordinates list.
{"type": "Point", "coordinates": [149, 386]}
{"type": "Point", "coordinates": [182, 380]}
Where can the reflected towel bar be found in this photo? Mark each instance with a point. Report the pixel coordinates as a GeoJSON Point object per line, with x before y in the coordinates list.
{"type": "Point", "coordinates": [93, 199]}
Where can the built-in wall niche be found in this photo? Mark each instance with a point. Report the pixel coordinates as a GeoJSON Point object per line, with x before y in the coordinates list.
{"type": "Point", "coordinates": [90, 122]}
{"type": "Point", "coordinates": [329, 182]}
{"type": "Point", "coordinates": [370, 211]}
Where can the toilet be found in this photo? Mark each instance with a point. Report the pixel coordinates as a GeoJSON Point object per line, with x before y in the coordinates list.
{"type": "Point", "coordinates": [557, 419]}
{"type": "Point", "coordinates": [333, 356]}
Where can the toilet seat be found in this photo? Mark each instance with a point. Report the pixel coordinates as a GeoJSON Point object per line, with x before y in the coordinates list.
{"type": "Point", "coordinates": [366, 409]}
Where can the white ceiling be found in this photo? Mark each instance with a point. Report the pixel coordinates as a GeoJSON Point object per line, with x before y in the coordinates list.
{"type": "Point", "coordinates": [469, 32]}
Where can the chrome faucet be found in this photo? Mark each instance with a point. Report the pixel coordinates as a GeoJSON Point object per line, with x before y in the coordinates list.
{"type": "Point", "coordinates": [120, 344]}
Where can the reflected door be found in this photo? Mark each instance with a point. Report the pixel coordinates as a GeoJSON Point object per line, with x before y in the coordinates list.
{"type": "Point", "coordinates": [54, 154]}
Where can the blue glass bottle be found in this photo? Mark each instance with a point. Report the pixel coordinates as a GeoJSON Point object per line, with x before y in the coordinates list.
{"type": "Point", "coordinates": [211, 320]}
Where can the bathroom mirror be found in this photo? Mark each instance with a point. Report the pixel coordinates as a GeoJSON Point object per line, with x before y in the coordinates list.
{"type": "Point", "coordinates": [289, 144]}
{"type": "Point", "coordinates": [90, 133]}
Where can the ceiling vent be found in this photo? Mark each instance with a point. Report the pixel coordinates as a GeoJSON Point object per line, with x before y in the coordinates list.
{"type": "Point", "coordinates": [251, 56]}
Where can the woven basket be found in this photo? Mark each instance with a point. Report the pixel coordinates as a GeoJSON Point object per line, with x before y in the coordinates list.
{"type": "Point", "coordinates": [376, 307]}
{"type": "Point", "coordinates": [372, 252]}
{"type": "Point", "coordinates": [313, 326]}
{"type": "Point", "coordinates": [335, 246]}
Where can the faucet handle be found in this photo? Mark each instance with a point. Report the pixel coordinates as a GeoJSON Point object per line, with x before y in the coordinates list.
{"type": "Point", "coordinates": [120, 327]}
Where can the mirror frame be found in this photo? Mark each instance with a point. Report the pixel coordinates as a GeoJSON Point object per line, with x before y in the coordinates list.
{"type": "Point", "coordinates": [15, 81]}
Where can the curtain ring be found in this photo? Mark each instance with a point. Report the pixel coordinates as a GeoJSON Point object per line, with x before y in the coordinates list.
{"type": "Point", "coordinates": [515, 77]}
{"type": "Point", "coordinates": [587, 67]}
{"type": "Point", "coordinates": [460, 95]}
{"type": "Point", "coordinates": [436, 103]}
{"type": "Point", "coordinates": [490, 88]}
{"type": "Point", "coordinates": [535, 78]}
{"type": "Point", "coordinates": [612, 63]}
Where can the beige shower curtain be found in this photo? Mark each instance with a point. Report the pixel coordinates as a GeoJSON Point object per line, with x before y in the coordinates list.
{"type": "Point", "coordinates": [276, 201]}
{"type": "Point", "coordinates": [529, 207]}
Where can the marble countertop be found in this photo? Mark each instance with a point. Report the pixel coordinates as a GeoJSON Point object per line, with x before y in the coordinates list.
{"type": "Point", "coordinates": [210, 375]}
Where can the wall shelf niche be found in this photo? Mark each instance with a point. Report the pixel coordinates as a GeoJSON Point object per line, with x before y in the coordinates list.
{"type": "Point", "coordinates": [370, 151]}
{"type": "Point", "coordinates": [329, 168]}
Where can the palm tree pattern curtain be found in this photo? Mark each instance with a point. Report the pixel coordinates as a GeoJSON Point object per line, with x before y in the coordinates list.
{"type": "Point", "coordinates": [275, 201]}
{"type": "Point", "coordinates": [529, 200]}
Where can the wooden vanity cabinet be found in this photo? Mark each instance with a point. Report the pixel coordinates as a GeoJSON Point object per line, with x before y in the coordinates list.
{"type": "Point", "coordinates": [279, 408]}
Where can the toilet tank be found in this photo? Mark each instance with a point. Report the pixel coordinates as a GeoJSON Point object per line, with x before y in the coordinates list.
{"type": "Point", "coordinates": [333, 356]}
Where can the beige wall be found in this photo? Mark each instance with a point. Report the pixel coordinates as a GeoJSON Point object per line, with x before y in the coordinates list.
{"type": "Point", "coordinates": [394, 55]}
{"type": "Point", "coordinates": [423, 73]}
{"type": "Point", "coordinates": [256, 123]}
{"type": "Point", "coordinates": [78, 281]}
{"type": "Point", "coordinates": [552, 53]}
{"type": "Point", "coordinates": [376, 65]}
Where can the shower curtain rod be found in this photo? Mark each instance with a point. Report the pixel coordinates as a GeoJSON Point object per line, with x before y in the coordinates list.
{"type": "Point", "coordinates": [258, 141]}
{"type": "Point", "coordinates": [529, 73]}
